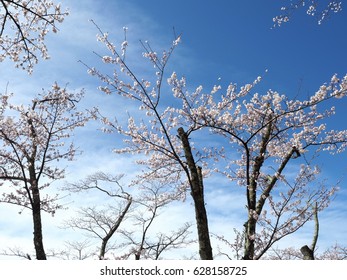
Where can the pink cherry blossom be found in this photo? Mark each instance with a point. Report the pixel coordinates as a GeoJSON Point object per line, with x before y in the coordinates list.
{"type": "Point", "coordinates": [23, 29]}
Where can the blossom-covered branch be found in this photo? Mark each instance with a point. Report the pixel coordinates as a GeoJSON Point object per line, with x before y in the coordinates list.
{"type": "Point", "coordinates": [23, 28]}
{"type": "Point", "coordinates": [313, 8]}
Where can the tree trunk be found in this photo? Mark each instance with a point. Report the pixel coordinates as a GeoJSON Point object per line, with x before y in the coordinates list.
{"type": "Point", "coordinates": [250, 226]}
{"type": "Point", "coordinates": [255, 207]}
{"type": "Point", "coordinates": [113, 230]}
{"type": "Point", "coordinates": [196, 186]}
{"type": "Point", "coordinates": [250, 230]}
{"type": "Point", "coordinates": [36, 211]}
{"type": "Point", "coordinates": [307, 253]}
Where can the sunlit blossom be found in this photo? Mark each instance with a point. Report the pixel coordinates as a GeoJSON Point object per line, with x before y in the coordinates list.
{"type": "Point", "coordinates": [24, 28]}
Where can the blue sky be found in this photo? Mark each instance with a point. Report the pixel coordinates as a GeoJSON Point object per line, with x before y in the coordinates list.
{"type": "Point", "coordinates": [231, 40]}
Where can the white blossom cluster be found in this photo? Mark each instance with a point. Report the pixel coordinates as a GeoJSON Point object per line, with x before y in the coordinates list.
{"type": "Point", "coordinates": [313, 8]}
{"type": "Point", "coordinates": [32, 138]}
{"type": "Point", "coordinates": [23, 28]}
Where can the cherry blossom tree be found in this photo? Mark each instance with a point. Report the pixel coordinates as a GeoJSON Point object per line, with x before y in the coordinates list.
{"type": "Point", "coordinates": [74, 250]}
{"type": "Point", "coordinates": [170, 158]}
{"type": "Point", "coordinates": [334, 252]}
{"type": "Point", "coordinates": [101, 223]}
{"type": "Point", "coordinates": [77, 250]}
{"type": "Point", "coordinates": [23, 29]}
{"type": "Point", "coordinates": [268, 131]}
{"type": "Point", "coordinates": [138, 213]}
{"type": "Point", "coordinates": [32, 140]}
{"type": "Point", "coordinates": [313, 8]}
{"type": "Point", "coordinates": [140, 240]}
{"type": "Point", "coordinates": [15, 252]}
{"type": "Point", "coordinates": [267, 134]}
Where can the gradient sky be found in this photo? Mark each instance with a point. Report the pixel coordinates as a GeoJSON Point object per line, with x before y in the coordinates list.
{"type": "Point", "coordinates": [231, 40]}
